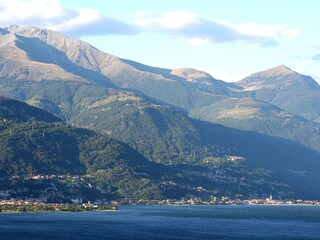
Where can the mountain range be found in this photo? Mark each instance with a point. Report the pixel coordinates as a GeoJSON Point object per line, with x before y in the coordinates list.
{"type": "Point", "coordinates": [256, 136]}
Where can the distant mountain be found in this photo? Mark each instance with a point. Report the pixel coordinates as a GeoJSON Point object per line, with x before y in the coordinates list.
{"type": "Point", "coordinates": [55, 72]}
{"type": "Point", "coordinates": [19, 62]}
{"type": "Point", "coordinates": [38, 54]}
{"type": "Point", "coordinates": [277, 102]}
{"type": "Point", "coordinates": [254, 115]}
{"type": "Point", "coordinates": [149, 109]}
{"type": "Point", "coordinates": [279, 77]}
{"type": "Point", "coordinates": [289, 90]}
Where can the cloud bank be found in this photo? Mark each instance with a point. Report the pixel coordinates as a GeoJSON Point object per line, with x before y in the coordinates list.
{"type": "Point", "coordinates": [195, 29]}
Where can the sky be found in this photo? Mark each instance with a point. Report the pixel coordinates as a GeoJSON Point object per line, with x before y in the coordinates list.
{"type": "Point", "coordinates": [230, 39]}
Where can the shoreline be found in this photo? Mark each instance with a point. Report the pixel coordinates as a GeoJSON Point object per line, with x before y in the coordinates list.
{"type": "Point", "coordinates": [116, 208]}
{"type": "Point", "coordinates": [14, 212]}
{"type": "Point", "coordinates": [51, 207]}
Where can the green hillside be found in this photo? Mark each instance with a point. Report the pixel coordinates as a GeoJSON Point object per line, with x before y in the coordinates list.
{"type": "Point", "coordinates": [221, 161]}
{"type": "Point", "coordinates": [163, 134]}
{"type": "Point", "coordinates": [166, 135]}
{"type": "Point", "coordinates": [30, 148]}
{"type": "Point", "coordinates": [253, 115]}
{"type": "Point", "coordinates": [22, 112]}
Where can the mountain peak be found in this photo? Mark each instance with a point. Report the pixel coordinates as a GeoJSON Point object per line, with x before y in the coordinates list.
{"type": "Point", "coordinates": [12, 28]}
{"type": "Point", "coordinates": [279, 70]}
{"type": "Point", "coordinates": [29, 31]}
{"type": "Point", "coordinates": [272, 75]}
{"type": "Point", "coordinates": [17, 28]}
{"type": "Point", "coordinates": [282, 67]}
{"type": "Point", "coordinates": [278, 77]}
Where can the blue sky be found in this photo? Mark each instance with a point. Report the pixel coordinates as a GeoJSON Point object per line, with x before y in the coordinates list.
{"type": "Point", "coordinates": [230, 39]}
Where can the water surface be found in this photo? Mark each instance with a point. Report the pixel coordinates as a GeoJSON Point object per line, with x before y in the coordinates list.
{"type": "Point", "coordinates": [167, 222]}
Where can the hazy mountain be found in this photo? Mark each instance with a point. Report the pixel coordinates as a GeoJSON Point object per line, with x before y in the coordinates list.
{"type": "Point", "coordinates": [289, 90]}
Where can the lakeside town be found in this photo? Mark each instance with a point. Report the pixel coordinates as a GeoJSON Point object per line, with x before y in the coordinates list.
{"type": "Point", "coordinates": [218, 201]}
{"type": "Point", "coordinates": [15, 205]}
{"type": "Point", "coordinates": [36, 205]}
{"type": "Point", "coordinates": [52, 199]}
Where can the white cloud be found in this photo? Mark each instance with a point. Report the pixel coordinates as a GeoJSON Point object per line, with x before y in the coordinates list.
{"type": "Point", "coordinates": [84, 17]}
{"type": "Point", "coordinates": [198, 41]}
{"type": "Point", "coordinates": [198, 30]}
{"type": "Point", "coordinates": [18, 11]}
{"type": "Point", "coordinates": [51, 14]}
{"type": "Point", "coordinates": [262, 30]}
{"type": "Point", "coordinates": [169, 20]}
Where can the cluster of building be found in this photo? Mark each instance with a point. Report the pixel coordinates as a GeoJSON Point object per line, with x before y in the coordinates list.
{"type": "Point", "coordinates": [21, 202]}
{"type": "Point", "coordinates": [52, 193]}
{"type": "Point", "coordinates": [213, 201]}
{"type": "Point", "coordinates": [182, 201]}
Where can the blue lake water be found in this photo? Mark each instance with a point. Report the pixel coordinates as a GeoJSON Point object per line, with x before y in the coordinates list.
{"type": "Point", "coordinates": [168, 222]}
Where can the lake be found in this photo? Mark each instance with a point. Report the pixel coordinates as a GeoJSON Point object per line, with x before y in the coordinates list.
{"type": "Point", "coordinates": [167, 222]}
